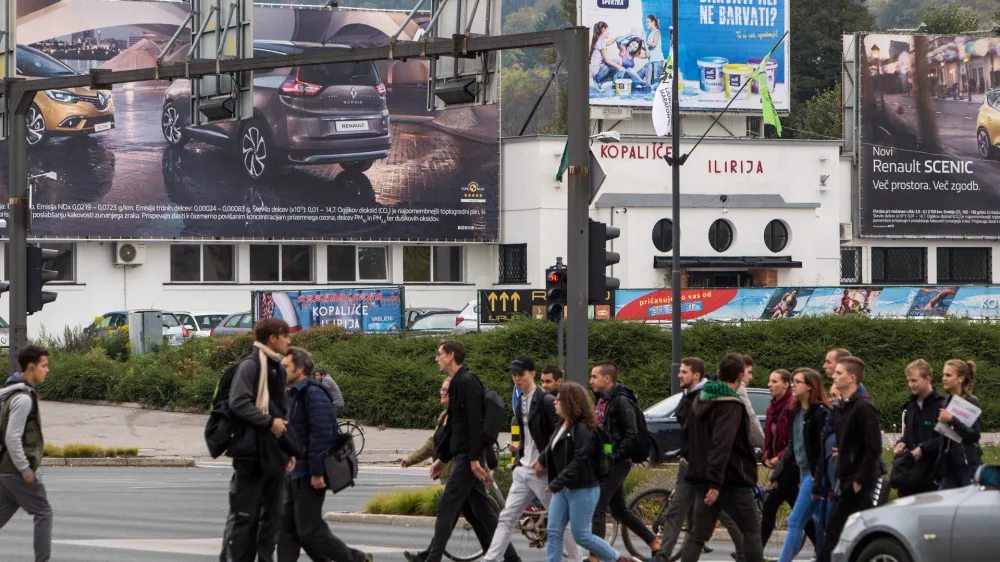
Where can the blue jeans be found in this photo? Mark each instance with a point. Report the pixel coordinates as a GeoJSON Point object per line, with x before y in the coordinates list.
{"type": "Point", "coordinates": [604, 74]}
{"type": "Point", "coordinates": [575, 507]}
{"type": "Point", "coordinates": [959, 477]}
{"type": "Point", "coordinates": [802, 512]}
{"type": "Point", "coordinates": [651, 72]}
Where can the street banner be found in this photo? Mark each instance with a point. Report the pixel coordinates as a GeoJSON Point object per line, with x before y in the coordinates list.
{"type": "Point", "coordinates": [721, 43]}
{"type": "Point", "coordinates": [930, 135]}
{"type": "Point", "coordinates": [363, 310]}
{"type": "Point", "coordinates": [342, 151]}
{"type": "Point", "coordinates": [501, 305]}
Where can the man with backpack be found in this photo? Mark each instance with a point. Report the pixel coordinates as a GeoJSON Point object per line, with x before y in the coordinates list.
{"type": "Point", "coordinates": [310, 415]}
{"type": "Point", "coordinates": [469, 415]}
{"type": "Point", "coordinates": [253, 396]}
{"type": "Point", "coordinates": [618, 413]}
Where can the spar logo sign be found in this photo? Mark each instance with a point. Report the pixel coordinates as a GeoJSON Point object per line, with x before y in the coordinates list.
{"type": "Point", "coordinates": [613, 4]}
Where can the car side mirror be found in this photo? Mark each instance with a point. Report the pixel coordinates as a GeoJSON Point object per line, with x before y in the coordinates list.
{"type": "Point", "coordinates": [988, 476]}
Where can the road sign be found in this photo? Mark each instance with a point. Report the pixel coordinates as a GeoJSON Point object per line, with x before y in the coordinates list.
{"type": "Point", "coordinates": [501, 305]}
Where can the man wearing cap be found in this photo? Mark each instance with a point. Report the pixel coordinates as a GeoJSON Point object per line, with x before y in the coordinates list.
{"type": "Point", "coordinates": [537, 418]}
{"type": "Point", "coordinates": [337, 398]}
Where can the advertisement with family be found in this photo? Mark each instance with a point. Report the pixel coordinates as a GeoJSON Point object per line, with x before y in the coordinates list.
{"type": "Point", "coordinates": [363, 310]}
{"type": "Point", "coordinates": [720, 44]}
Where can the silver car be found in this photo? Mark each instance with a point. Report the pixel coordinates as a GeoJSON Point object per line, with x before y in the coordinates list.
{"type": "Point", "coordinates": [951, 526]}
{"type": "Point", "coordinates": [238, 323]}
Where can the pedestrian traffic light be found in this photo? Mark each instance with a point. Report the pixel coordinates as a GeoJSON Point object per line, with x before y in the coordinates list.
{"type": "Point", "coordinates": [555, 292]}
{"type": "Point", "coordinates": [598, 260]}
{"type": "Point", "coordinates": [38, 276]}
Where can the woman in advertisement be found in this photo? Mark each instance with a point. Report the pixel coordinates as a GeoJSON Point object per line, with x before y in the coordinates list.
{"type": "Point", "coordinates": [630, 48]}
{"type": "Point", "coordinates": [602, 67]}
{"type": "Point", "coordinates": [654, 49]}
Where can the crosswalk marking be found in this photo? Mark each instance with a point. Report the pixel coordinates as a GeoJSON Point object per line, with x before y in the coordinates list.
{"type": "Point", "coordinates": [204, 547]}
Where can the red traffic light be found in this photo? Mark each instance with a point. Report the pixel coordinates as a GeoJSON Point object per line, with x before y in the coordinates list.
{"type": "Point", "coordinates": [555, 277]}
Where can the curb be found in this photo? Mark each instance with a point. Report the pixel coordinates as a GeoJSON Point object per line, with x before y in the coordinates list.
{"type": "Point", "coordinates": [418, 521]}
{"type": "Point", "coordinates": [148, 462]}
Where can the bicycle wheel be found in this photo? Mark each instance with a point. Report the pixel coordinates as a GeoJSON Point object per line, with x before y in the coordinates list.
{"type": "Point", "coordinates": [651, 508]}
{"type": "Point", "coordinates": [611, 530]}
{"type": "Point", "coordinates": [463, 546]}
{"type": "Point", "coordinates": [355, 431]}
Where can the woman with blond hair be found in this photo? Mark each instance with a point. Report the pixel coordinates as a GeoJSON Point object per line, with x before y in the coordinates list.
{"type": "Point", "coordinates": [959, 461]}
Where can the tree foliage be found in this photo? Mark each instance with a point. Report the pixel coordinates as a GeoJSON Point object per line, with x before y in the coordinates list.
{"type": "Point", "coordinates": [908, 14]}
{"type": "Point", "coordinates": [819, 118]}
{"type": "Point", "coordinates": [817, 27]}
{"type": "Point", "coordinates": [949, 19]}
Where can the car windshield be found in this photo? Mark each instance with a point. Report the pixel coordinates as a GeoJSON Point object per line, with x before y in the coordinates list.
{"type": "Point", "coordinates": [209, 321]}
{"type": "Point", "coordinates": [170, 321]}
{"type": "Point", "coordinates": [38, 65]}
{"type": "Point", "coordinates": [340, 74]}
{"type": "Point", "coordinates": [435, 322]}
{"type": "Point", "coordinates": [664, 408]}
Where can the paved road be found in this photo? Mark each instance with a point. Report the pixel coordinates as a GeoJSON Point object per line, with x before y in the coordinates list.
{"type": "Point", "coordinates": [172, 515]}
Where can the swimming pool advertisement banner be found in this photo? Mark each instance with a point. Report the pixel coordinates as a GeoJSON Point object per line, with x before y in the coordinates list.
{"type": "Point", "coordinates": [721, 42]}
{"type": "Point", "coordinates": [365, 310]}
{"type": "Point", "coordinates": [731, 305]}
{"type": "Point", "coordinates": [342, 151]}
{"type": "Point", "coordinates": [930, 135]}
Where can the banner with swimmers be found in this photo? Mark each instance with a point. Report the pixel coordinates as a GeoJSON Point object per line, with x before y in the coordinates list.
{"type": "Point", "coordinates": [721, 42]}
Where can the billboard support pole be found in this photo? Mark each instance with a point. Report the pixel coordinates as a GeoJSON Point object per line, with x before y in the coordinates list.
{"type": "Point", "coordinates": [17, 150]}
{"type": "Point", "coordinates": [675, 197]}
{"type": "Point", "coordinates": [573, 50]}
{"type": "Point", "coordinates": [559, 344]}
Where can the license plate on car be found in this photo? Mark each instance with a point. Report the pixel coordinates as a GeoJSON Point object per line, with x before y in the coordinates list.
{"type": "Point", "coordinates": [350, 126]}
{"type": "Point", "coordinates": [102, 127]}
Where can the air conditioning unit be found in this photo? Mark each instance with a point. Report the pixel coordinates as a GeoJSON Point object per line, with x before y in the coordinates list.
{"type": "Point", "coordinates": [846, 232]}
{"type": "Point", "coordinates": [130, 253]}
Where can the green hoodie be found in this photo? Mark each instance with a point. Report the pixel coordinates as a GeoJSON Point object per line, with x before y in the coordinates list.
{"type": "Point", "coordinates": [716, 389]}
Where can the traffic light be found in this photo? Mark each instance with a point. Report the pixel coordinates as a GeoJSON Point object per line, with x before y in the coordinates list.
{"type": "Point", "coordinates": [598, 260]}
{"type": "Point", "coordinates": [555, 292]}
{"type": "Point", "coordinates": [39, 276]}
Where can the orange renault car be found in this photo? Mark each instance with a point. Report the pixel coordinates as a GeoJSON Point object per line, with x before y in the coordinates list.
{"type": "Point", "coordinates": [62, 113]}
{"type": "Point", "coordinates": [988, 125]}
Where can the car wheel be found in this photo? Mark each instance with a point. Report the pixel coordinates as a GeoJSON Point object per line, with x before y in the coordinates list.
{"type": "Point", "coordinates": [884, 550]}
{"type": "Point", "coordinates": [172, 125]}
{"type": "Point", "coordinates": [986, 148]}
{"type": "Point", "coordinates": [256, 151]}
{"type": "Point", "coordinates": [358, 165]}
{"type": "Point", "coordinates": [37, 133]}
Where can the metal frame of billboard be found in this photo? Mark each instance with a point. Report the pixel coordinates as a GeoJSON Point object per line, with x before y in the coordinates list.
{"type": "Point", "coordinates": [8, 46]}
{"type": "Point", "coordinates": [220, 30]}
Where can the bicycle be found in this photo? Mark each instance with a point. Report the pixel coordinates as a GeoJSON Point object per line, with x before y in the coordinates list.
{"type": "Point", "coordinates": [355, 431]}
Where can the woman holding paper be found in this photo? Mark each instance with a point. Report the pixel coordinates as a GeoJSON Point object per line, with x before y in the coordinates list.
{"type": "Point", "coordinates": [959, 459]}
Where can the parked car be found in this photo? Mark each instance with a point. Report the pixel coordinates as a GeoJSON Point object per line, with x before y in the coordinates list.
{"type": "Point", "coordinates": [468, 319]}
{"type": "Point", "coordinates": [948, 526]}
{"type": "Point", "coordinates": [434, 323]}
{"type": "Point", "coordinates": [414, 314]}
{"type": "Point", "coordinates": [319, 114]}
{"type": "Point", "coordinates": [665, 431]}
{"type": "Point", "coordinates": [200, 324]}
{"type": "Point", "coordinates": [65, 112]}
{"type": "Point", "coordinates": [988, 125]}
{"type": "Point", "coordinates": [172, 328]}
{"type": "Point", "coordinates": [238, 323]}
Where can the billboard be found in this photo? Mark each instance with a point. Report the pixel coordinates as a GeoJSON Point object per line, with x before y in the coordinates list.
{"type": "Point", "coordinates": [720, 44]}
{"type": "Point", "coordinates": [729, 305]}
{"type": "Point", "coordinates": [930, 132]}
{"type": "Point", "coordinates": [364, 310]}
{"type": "Point", "coordinates": [342, 151]}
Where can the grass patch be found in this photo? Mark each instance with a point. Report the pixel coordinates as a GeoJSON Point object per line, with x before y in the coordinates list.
{"type": "Point", "coordinates": [406, 502]}
{"type": "Point", "coordinates": [84, 451]}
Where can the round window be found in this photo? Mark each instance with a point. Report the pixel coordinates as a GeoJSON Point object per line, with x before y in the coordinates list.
{"type": "Point", "coordinates": [663, 235]}
{"type": "Point", "coordinates": [720, 235]}
{"type": "Point", "coordinates": [776, 235]}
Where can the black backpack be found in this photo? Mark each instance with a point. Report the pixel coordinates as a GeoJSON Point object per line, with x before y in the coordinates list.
{"type": "Point", "coordinates": [494, 419]}
{"type": "Point", "coordinates": [218, 428]}
{"type": "Point", "coordinates": [604, 456]}
{"type": "Point", "coordinates": [640, 451]}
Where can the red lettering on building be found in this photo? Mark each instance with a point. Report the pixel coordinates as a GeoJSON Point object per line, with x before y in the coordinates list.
{"type": "Point", "coordinates": [735, 166]}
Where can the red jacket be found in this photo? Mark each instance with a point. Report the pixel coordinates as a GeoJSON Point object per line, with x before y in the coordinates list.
{"type": "Point", "coordinates": [776, 427]}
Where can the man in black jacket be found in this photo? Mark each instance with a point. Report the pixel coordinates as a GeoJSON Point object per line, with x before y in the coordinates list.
{"type": "Point", "coordinates": [859, 450]}
{"type": "Point", "coordinates": [616, 412]}
{"type": "Point", "coordinates": [257, 409]}
{"type": "Point", "coordinates": [465, 491]}
{"type": "Point", "coordinates": [552, 379]}
{"type": "Point", "coordinates": [919, 438]}
{"type": "Point", "coordinates": [722, 466]}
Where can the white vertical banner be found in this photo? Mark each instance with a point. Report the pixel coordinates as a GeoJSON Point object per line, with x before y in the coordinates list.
{"type": "Point", "coordinates": [663, 104]}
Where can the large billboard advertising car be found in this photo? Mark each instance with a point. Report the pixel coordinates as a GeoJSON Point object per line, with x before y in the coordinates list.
{"type": "Point", "coordinates": [930, 135]}
{"type": "Point", "coordinates": [335, 151]}
{"type": "Point", "coordinates": [721, 43]}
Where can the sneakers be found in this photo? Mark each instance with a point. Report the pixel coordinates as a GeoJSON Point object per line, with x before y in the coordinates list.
{"type": "Point", "coordinates": [410, 557]}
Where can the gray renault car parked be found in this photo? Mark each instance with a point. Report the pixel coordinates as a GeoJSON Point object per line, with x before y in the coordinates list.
{"type": "Point", "coordinates": [319, 114]}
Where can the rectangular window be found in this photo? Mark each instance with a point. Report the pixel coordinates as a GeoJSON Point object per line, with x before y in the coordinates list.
{"type": "Point", "coordinates": [281, 263]}
{"type": "Point", "coordinates": [64, 265]}
{"type": "Point", "coordinates": [432, 264]}
{"type": "Point", "coordinates": [963, 265]}
{"type": "Point", "coordinates": [850, 265]}
{"type": "Point", "coordinates": [208, 263]}
{"type": "Point", "coordinates": [348, 264]}
{"type": "Point", "coordinates": [513, 263]}
{"type": "Point", "coordinates": [899, 265]}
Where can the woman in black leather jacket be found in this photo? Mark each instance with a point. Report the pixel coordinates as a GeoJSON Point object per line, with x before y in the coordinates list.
{"type": "Point", "coordinates": [571, 460]}
{"type": "Point", "coordinates": [959, 460]}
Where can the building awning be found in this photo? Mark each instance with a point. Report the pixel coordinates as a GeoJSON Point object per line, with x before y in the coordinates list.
{"type": "Point", "coordinates": [741, 262]}
{"type": "Point", "coordinates": [701, 201]}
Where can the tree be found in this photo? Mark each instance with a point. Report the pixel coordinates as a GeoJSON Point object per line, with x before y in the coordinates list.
{"type": "Point", "coordinates": [816, 34]}
{"type": "Point", "coordinates": [949, 19]}
{"type": "Point", "coordinates": [819, 117]}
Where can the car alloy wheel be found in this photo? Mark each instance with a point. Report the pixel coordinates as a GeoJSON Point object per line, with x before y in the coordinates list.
{"type": "Point", "coordinates": [884, 558]}
{"type": "Point", "coordinates": [171, 125]}
{"type": "Point", "coordinates": [36, 126]}
{"type": "Point", "coordinates": [983, 140]}
{"type": "Point", "coordinates": [254, 147]}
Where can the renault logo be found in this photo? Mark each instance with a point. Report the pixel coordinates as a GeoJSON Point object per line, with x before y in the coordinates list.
{"type": "Point", "coordinates": [354, 93]}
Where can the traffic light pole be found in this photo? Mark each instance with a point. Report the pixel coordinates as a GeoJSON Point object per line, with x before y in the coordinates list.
{"type": "Point", "coordinates": [675, 161]}
{"type": "Point", "coordinates": [17, 207]}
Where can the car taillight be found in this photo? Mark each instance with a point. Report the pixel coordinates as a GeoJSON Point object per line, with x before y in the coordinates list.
{"type": "Point", "coordinates": [380, 89]}
{"type": "Point", "coordinates": [212, 333]}
{"type": "Point", "coordinates": [459, 320]}
{"type": "Point", "coordinates": [296, 87]}
{"type": "Point", "coordinates": [185, 333]}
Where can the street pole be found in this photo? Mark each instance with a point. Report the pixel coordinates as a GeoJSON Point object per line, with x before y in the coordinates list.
{"type": "Point", "coordinates": [574, 52]}
{"type": "Point", "coordinates": [675, 168]}
{"type": "Point", "coordinates": [17, 206]}
{"type": "Point", "coordinates": [559, 344]}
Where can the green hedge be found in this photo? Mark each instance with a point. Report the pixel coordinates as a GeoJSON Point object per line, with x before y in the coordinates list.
{"type": "Point", "coordinates": [393, 381]}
